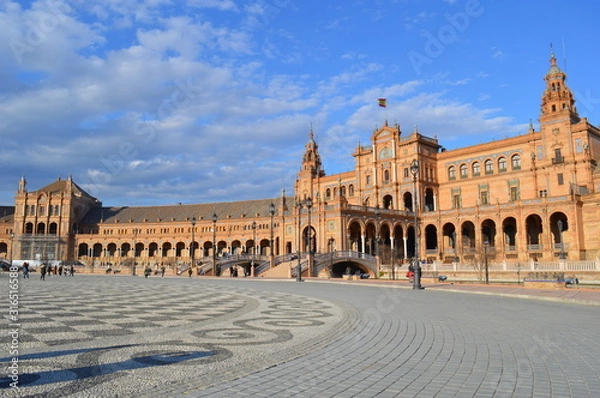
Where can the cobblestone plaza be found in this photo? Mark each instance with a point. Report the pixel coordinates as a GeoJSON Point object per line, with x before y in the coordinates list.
{"type": "Point", "coordinates": [109, 336]}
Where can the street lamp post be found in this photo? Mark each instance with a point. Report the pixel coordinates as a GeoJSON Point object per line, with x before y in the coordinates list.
{"type": "Point", "coordinates": [454, 244]}
{"type": "Point", "coordinates": [414, 168]}
{"type": "Point", "coordinates": [299, 266]}
{"type": "Point", "coordinates": [272, 254]}
{"type": "Point", "coordinates": [486, 244]}
{"type": "Point", "coordinates": [560, 236]}
{"type": "Point", "coordinates": [193, 246]}
{"type": "Point", "coordinates": [253, 248]}
{"type": "Point", "coordinates": [135, 233]}
{"type": "Point", "coordinates": [214, 254]}
{"type": "Point", "coordinates": [309, 204]}
{"type": "Point", "coordinates": [377, 237]}
{"type": "Point", "coordinates": [12, 246]}
{"type": "Point", "coordinates": [331, 252]}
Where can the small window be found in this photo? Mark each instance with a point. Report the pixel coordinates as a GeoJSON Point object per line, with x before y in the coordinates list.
{"type": "Point", "coordinates": [476, 169]}
{"type": "Point", "coordinates": [483, 197]}
{"type": "Point", "coordinates": [501, 165]}
{"type": "Point", "coordinates": [452, 173]}
{"type": "Point", "coordinates": [489, 167]}
{"type": "Point", "coordinates": [540, 152]}
{"type": "Point", "coordinates": [516, 162]}
{"type": "Point", "coordinates": [578, 145]}
{"type": "Point", "coordinates": [514, 194]}
{"type": "Point", "coordinates": [561, 179]}
{"type": "Point", "coordinates": [368, 180]}
{"type": "Point", "coordinates": [456, 201]}
{"type": "Point", "coordinates": [463, 171]}
{"type": "Point", "coordinates": [543, 193]}
{"type": "Point", "coordinates": [406, 172]}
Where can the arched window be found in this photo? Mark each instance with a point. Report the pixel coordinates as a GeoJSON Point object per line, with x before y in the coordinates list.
{"type": "Point", "coordinates": [328, 193]}
{"type": "Point", "coordinates": [464, 173]}
{"type": "Point", "coordinates": [452, 173]}
{"type": "Point", "coordinates": [351, 189]}
{"type": "Point", "coordinates": [476, 169]}
{"type": "Point", "coordinates": [501, 164]}
{"type": "Point", "coordinates": [489, 167]}
{"type": "Point", "coordinates": [516, 162]}
{"type": "Point", "coordinates": [386, 176]}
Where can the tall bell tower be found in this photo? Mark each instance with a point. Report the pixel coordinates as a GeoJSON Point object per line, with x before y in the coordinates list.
{"type": "Point", "coordinates": [558, 102]}
{"type": "Point", "coordinates": [311, 169]}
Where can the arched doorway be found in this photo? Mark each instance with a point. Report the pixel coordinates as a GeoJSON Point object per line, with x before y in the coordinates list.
{"type": "Point", "coordinates": [431, 243]}
{"type": "Point", "coordinates": [371, 235]}
{"type": "Point", "coordinates": [388, 202]}
{"type": "Point", "coordinates": [450, 243]}
{"type": "Point", "coordinates": [429, 200]}
{"type": "Point", "coordinates": [533, 226]}
{"type": "Point", "coordinates": [306, 245]}
{"type": "Point", "coordinates": [468, 236]}
{"type": "Point", "coordinates": [354, 237]}
{"type": "Point", "coordinates": [559, 227]}
{"type": "Point", "coordinates": [407, 198]}
{"type": "Point", "coordinates": [488, 232]}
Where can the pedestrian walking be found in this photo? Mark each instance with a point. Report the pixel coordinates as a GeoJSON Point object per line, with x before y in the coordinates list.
{"type": "Point", "coordinates": [190, 272]}
{"type": "Point", "coordinates": [162, 271]}
{"type": "Point", "coordinates": [26, 270]}
{"type": "Point", "coordinates": [43, 271]}
{"type": "Point", "coordinates": [411, 272]}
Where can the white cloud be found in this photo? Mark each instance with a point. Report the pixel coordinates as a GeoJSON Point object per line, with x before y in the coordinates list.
{"type": "Point", "coordinates": [144, 106]}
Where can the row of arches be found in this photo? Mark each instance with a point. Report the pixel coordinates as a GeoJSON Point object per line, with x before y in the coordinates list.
{"type": "Point", "coordinates": [178, 250]}
{"type": "Point", "coordinates": [41, 228]}
{"type": "Point", "coordinates": [396, 240]}
{"type": "Point", "coordinates": [475, 167]}
{"type": "Point", "coordinates": [407, 201]}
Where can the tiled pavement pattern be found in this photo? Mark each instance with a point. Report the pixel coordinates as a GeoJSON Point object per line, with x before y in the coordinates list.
{"type": "Point", "coordinates": [287, 339]}
{"type": "Point", "coordinates": [433, 343]}
{"type": "Point", "coordinates": [57, 317]}
{"type": "Point", "coordinates": [109, 336]}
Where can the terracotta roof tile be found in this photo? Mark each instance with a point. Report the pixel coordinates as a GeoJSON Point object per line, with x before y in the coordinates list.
{"type": "Point", "coordinates": [184, 212]}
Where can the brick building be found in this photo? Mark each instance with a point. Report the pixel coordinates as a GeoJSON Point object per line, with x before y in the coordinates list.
{"type": "Point", "coordinates": [533, 196]}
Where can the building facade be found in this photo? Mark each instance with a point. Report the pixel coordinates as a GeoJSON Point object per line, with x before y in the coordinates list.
{"type": "Point", "coordinates": [533, 196]}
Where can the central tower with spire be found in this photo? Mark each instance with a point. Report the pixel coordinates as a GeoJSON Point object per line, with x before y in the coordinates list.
{"type": "Point", "coordinates": [311, 169]}
{"type": "Point", "coordinates": [558, 102]}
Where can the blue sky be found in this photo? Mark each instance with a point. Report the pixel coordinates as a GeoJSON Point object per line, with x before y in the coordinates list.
{"type": "Point", "coordinates": [162, 101]}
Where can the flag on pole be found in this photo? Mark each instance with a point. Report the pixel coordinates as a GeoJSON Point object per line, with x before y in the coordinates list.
{"type": "Point", "coordinates": [382, 102]}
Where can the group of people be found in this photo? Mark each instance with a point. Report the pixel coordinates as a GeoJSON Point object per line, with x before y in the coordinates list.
{"type": "Point", "coordinates": [51, 270]}
{"type": "Point", "coordinates": [148, 271]}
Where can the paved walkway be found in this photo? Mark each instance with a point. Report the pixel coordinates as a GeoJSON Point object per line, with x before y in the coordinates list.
{"type": "Point", "coordinates": [123, 336]}
{"type": "Point", "coordinates": [575, 295]}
